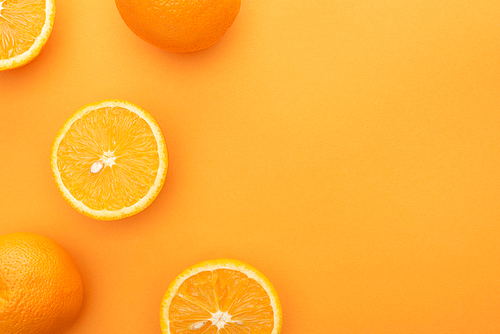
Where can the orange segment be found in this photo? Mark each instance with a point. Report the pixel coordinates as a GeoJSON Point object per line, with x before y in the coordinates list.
{"type": "Point", "coordinates": [221, 296]}
{"type": "Point", "coordinates": [27, 15]}
{"type": "Point", "coordinates": [110, 160]}
{"type": "Point", "coordinates": [14, 41]}
{"type": "Point", "coordinates": [25, 26]}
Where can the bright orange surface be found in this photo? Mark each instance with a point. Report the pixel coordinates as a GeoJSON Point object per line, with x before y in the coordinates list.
{"type": "Point", "coordinates": [349, 150]}
{"type": "Point", "coordinates": [41, 289]}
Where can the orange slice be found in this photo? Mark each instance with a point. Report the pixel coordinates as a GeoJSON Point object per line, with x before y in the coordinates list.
{"type": "Point", "coordinates": [110, 160]}
{"type": "Point", "coordinates": [221, 296]}
{"type": "Point", "coordinates": [25, 27]}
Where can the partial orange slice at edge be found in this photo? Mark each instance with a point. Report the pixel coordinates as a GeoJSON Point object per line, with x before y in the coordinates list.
{"type": "Point", "coordinates": [110, 160]}
{"type": "Point", "coordinates": [25, 27]}
{"type": "Point", "coordinates": [222, 296]}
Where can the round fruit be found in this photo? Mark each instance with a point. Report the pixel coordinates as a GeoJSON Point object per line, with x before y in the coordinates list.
{"type": "Point", "coordinates": [179, 25]}
{"type": "Point", "coordinates": [40, 287]}
{"type": "Point", "coordinates": [221, 296]}
{"type": "Point", "coordinates": [110, 160]}
{"type": "Point", "coordinates": [25, 27]}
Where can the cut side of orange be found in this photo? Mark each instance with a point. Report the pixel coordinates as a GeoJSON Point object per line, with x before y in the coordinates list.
{"type": "Point", "coordinates": [221, 296]}
{"type": "Point", "coordinates": [110, 160]}
{"type": "Point", "coordinates": [25, 27]}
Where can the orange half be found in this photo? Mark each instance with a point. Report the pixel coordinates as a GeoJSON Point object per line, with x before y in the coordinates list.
{"type": "Point", "coordinates": [221, 296]}
{"type": "Point", "coordinates": [110, 160]}
{"type": "Point", "coordinates": [25, 27]}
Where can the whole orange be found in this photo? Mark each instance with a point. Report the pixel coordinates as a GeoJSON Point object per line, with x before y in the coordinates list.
{"type": "Point", "coordinates": [40, 286]}
{"type": "Point", "coordinates": [179, 25]}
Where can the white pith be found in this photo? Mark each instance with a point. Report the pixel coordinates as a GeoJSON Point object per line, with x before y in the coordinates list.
{"type": "Point", "coordinates": [218, 319]}
{"type": "Point", "coordinates": [107, 160]}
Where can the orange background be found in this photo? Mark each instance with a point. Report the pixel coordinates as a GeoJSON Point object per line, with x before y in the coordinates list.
{"type": "Point", "coordinates": [347, 149]}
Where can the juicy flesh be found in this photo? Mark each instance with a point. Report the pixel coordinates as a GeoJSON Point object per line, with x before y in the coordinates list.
{"type": "Point", "coordinates": [21, 22]}
{"type": "Point", "coordinates": [123, 144]}
{"type": "Point", "coordinates": [221, 301]}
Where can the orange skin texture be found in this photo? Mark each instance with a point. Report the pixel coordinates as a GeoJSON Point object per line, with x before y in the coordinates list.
{"type": "Point", "coordinates": [40, 287]}
{"type": "Point", "coordinates": [179, 25]}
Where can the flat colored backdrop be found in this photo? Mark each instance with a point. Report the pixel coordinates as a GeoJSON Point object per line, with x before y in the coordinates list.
{"type": "Point", "coordinates": [350, 150]}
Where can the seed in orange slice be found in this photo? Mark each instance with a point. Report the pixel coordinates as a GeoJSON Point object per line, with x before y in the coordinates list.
{"type": "Point", "coordinates": [110, 160]}
{"type": "Point", "coordinates": [221, 296]}
{"type": "Point", "coordinates": [25, 27]}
